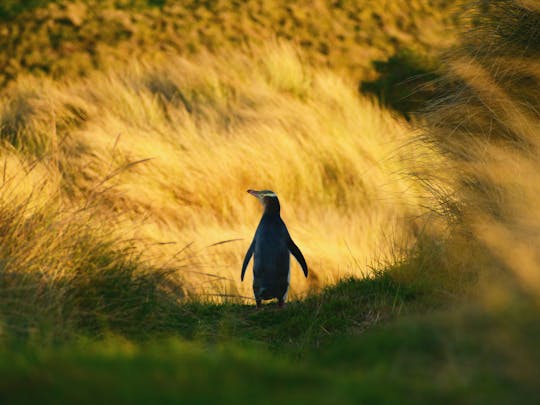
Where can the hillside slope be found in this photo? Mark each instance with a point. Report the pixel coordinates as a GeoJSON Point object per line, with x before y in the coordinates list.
{"type": "Point", "coordinates": [71, 38]}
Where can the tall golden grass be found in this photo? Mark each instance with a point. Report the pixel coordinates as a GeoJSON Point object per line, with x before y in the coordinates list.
{"type": "Point", "coordinates": [169, 147]}
{"type": "Point", "coordinates": [488, 128]}
{"type": "Point", "coordinates": [62, 269]}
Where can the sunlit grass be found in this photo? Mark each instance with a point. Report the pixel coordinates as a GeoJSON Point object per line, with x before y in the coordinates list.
{"type": "Point", "coordinates": [173, 148]}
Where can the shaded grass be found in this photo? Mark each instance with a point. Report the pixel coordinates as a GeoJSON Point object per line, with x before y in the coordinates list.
{"type": "Point", "coordinates": [405, 81]}
{"type": "Point", "coordinates": [351, 305]}
{"type": "Point", "coordinates": [471, 356]}
{"type": "Point", "coordinates": [10, 9]}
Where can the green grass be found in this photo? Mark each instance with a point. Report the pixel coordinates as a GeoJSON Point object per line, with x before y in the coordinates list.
{"type": "Point", "coordinates": [469, 356]}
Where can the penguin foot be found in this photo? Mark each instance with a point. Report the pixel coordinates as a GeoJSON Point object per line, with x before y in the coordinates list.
{"type": "Point", "coordinates": [281, 304]}
{"type": "Point", "coordinates": [258, 303]}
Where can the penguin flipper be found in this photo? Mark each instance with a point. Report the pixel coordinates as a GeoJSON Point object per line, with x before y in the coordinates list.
{"type": "Point", "coordinates": [298, 255]}
{"type": "Point", "coordinates": [247, 258]}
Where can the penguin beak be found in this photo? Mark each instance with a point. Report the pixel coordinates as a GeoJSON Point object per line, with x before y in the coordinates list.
{"type": "Point", "coordinates": [253, 193]}
{"type": "Point", "coordinates": [256, 194]}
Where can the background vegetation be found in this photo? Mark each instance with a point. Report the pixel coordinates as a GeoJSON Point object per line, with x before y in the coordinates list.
{"type": "Point", "coordinates": [72, 38]}
{"type": "Point", "coordinates": [130, 132]}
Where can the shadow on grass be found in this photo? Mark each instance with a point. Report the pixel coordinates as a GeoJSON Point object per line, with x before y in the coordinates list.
{"type": "Point", "coordinates": [10, 9]}
{"type": "Point", "coordinates": [406, 82]}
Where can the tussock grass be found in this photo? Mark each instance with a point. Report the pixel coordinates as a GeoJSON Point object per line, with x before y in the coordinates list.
{"type": "Point", "coordinates": [172, 147]}
{"type": "Point", "coordinates": [62, 270]}
{"type": "Point", "coordinates": [488, 129]}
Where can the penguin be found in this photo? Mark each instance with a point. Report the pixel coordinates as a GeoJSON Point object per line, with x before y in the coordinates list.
{"type": "Point", "coordinates": [270, 249]}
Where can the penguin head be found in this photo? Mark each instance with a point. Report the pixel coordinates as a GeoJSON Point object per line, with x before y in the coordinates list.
{"type": "Point", "coordinates": [267, 198]}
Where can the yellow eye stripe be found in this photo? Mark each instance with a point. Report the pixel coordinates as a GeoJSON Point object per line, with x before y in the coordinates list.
{"type": "Point", "coordinates": [262, 193]}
